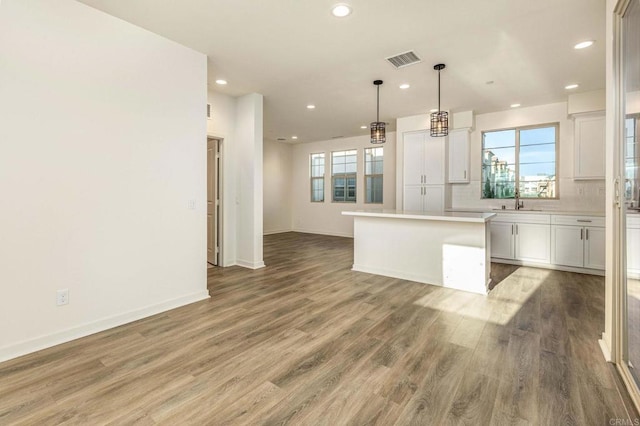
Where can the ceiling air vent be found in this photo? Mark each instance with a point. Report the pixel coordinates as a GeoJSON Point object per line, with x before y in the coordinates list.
{"type": "Point", "coordinates": [404, 59]}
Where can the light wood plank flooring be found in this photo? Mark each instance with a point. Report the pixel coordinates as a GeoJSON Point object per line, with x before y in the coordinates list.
{"type": "Point", "coordinates": [308, 341]}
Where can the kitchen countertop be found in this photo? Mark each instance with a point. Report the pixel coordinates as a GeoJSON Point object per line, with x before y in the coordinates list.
{"type": "Point", "coordinates": [446, 216]}
{"type": "Point", "coordinates": [525, 210]}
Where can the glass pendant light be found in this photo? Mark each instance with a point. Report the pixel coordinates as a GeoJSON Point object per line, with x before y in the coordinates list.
{"type": "Point", "coordinates": [377, 127]}
{"type": "Point", "coordinates": [439, 119]}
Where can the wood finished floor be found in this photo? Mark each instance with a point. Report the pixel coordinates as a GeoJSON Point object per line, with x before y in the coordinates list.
{"type": "Point", "coordinates": [308, 341]}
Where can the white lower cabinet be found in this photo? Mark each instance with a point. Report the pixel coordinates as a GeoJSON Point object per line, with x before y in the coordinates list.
{"type": "Point", "coordinates": [578, 241]}
{"type": "Point", "coordinates": [423, 198]}
{"type": "Point", "coordinates": [521, 237]}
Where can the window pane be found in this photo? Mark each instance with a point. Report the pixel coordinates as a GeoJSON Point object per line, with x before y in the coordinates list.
{"type": "Point", "coordinates": [374, 189]}
{"type": "Point", "coordinates": [537, 171]}
{"type": "Point", "coordinates": [499, 139]}
{"type": "Point", "coordinates": [537, 136]}
{"type": "Point", "coordinates": [538, 188]}
{"type": "Point", "coordinates": [538, 153]}
{"type": "Point", "coordinates": [499, 155]}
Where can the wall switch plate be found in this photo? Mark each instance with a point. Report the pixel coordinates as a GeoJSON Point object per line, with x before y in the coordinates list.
{"type": "Point", "coordinates": [62, 297]}
{"type": "Point", "coordinates": [192, 204]}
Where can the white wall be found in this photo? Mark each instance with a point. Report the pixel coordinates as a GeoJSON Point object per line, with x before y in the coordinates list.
{"type": "Point", "coordinates": [574, 195]}
{"type": "Point", "coordinates": [238, 122]}
{"type": "Point", "coordinates": [103, 136]}
{"type": "Point", "coordinates": [277, 187]}
{"type": "Point", "coordinates": [326, 218]}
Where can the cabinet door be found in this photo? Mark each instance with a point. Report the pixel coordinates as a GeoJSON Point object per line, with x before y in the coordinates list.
{"type": "Point", "coordinates": [589, 137]}
{"type": "Point", "coordinates": [502, 240]}
{"type": "Point", "coordinates": [633, 250]}
{"type": "Point", "coordinates": [414, 158]}
{"type": "Point", "coordinates": [434, 198]}
{"type": "Point", "coordinates": [413, 198]}
{"type": "Point", "coordinates": [459, 156]}
{"type": "Point", "coordinates": [594, 248]}
{"type": "Point", "coordinates": [567, 245]}
{"type": "Point", "coordinates": [434, 156]}
{"type": "Point", "coordinates": [532, 242]}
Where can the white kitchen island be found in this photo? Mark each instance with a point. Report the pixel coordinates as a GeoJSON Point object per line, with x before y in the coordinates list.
{"type": "Point", "coordinates": [450, 249]}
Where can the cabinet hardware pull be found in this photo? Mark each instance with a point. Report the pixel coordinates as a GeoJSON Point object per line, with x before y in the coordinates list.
{"type": "Point", "coordinates": [511, 229]}
{"type": "Point", "coordinates": [584, 221]}
{"type": "Point", "coordinates": [581, 233]}
{"type": "Point", "coordinates": [516, 229]}
{"type": "Point", "coordinates": [465, 174]}
{"type": "Point", "coordinates": [586, 231]}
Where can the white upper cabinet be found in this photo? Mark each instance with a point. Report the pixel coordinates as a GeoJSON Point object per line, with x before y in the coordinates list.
{"type": "Point", "coordinates": [589, 144]}
{"type": "Point", "coordinates": [424, 159]}
{"type": "Point", "coordinates": [459, 156]}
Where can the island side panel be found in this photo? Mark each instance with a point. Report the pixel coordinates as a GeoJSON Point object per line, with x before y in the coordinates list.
{"type": "Point", "coordinates": [450, 254]}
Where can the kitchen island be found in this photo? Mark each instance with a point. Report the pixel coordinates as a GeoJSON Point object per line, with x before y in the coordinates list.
{"type": "Point", "coordinates": [450, 249]}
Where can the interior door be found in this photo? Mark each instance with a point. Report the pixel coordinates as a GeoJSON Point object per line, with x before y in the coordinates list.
{"type": "Point", "coordinates": [213, 201]}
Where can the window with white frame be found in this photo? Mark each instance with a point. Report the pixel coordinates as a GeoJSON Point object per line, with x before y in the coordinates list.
{"type": "Point", "coordinates": [373, 171]}
{"type": "Point", "coordinates": [317, 177]}
{"type": "Point", "coordinates": [343, 176]}
{"type": "Point", "coordinates": [522, 158]}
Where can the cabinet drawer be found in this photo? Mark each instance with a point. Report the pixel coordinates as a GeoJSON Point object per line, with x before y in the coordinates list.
{"type": "Point", "coordinates": [597, 221]}
{"type": "Point", "coordinates": [522, 218]}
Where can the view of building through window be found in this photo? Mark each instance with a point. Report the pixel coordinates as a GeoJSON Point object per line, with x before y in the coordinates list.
{"type": "Point", "coordinates": [522, 158]}
{"type": "Point", "coordinates": [317, 177]}
{"type": "Point", "coordinates": [373, 174]}
{"type": "Point", "coordinates": [343, 175]}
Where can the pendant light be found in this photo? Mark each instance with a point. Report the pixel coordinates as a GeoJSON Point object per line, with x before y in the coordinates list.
{"type": "Point", "coordinates": [439, 119]}
{"type": "Point", "coordinates": [377, 127]}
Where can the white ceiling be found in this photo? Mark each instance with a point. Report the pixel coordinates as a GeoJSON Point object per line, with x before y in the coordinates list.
{"type": "Point", "coordinates": [295, 52]}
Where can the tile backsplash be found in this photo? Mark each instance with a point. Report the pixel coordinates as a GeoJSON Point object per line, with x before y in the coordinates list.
{"type": "Point", "coordinates": [575, 195]}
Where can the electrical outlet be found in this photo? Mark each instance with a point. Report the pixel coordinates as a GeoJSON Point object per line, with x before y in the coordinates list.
{"type": "Point", "coordinates": [62, 297]}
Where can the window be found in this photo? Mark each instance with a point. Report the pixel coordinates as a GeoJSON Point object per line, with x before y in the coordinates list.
{"type": "Point", "coordinates": [523, 158]}
{"type": "Point", "coordinates": [373, 167]}
{"type": "Point", "coordinates": [317, 177]}
{"type": "Point", "coordinates": [343, 175]}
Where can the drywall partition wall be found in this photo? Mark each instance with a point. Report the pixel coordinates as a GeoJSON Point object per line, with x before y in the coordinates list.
{"type": "Point", "coordinates": [574, 195]}
{"type": "Point", "coordinates": [222, 125]}
{"type": "Point", "coordinates": [103, 134]}
{"type": "Point", "coordinates": [326, 218]}
{"type": "Point", "coordinates": [249, 141]}
{"type": "Point", "coordinates": [238, 122]}
{"type": "Point", "coordinates": [277, 187]}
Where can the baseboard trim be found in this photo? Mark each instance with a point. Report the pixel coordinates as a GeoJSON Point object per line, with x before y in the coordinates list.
{"type": "Point", "coordinates": [549, 266]}
{"type": "Point", "coordinates": [280, 231]}
{"type": "Point", "coordinates": [64, 336]}
{"type": "Point", "coordinates": [604, 347]}
{"type": "Point", "coordinates": [250, 265]}
{"type": "Point", "coordinates": [331, 234]}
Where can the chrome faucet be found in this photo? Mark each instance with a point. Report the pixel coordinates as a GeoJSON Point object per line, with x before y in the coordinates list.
{"type": "Point", "coordinates": [519, 204]}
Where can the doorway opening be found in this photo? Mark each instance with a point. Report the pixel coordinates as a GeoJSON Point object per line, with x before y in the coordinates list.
{"type": "Point", "coordinates": [214, 202]}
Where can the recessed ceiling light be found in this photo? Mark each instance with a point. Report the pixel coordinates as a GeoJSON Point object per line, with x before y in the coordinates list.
{"type": "Point", "coordinates": [433, 110]}
{"type": "Point", "coordinates": [489, 82]}
{"type": "Point", "coordinates": [571, 86]}
{"type": "Point", "coordinates": [341, 10]}
{"type": "Point", "coordinates": [583, 44]}
{"type": "Point", "coordinates": [282, 139]}
{"type": "Point", "coordinates": [294, 137]}
{"type": "Point", "coordinates": [404, 86]}
{"type": "Point", "coordinates": [363, 127]}
{"type": "Point", "coordinates": [311, 106]}
{"type": "Point", "coordinates": [221, 82]}
{"type": "Point", "coordinates": [515, 105]}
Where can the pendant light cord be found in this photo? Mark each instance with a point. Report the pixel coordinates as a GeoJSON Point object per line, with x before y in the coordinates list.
{"type": "Point", "coordinates": [438, 91]}
{"type": "Point", "coordinates": [378, 106]}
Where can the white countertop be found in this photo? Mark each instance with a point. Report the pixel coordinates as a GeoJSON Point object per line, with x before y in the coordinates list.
{"type": "Point", "coordinates": [446, 216]}
{"type": "Point", "coordinates": [525, 210]}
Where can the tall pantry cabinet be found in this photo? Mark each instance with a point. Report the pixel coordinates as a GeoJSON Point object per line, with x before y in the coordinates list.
{"type": "Point", "coordinates": [424, 172]}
